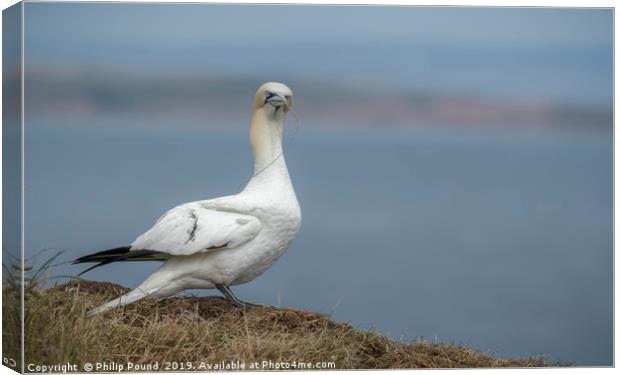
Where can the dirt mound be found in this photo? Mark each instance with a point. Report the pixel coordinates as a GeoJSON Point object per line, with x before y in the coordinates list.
{"type": "Point", "coordinates": [210, 331]}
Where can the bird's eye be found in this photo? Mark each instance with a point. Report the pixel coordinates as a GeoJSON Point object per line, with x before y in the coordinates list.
{"type": "Point", "coordinates": [288, 97]}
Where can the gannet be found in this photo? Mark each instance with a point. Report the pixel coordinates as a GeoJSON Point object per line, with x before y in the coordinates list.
{"type": "Point", "coordinates": [225, 241]}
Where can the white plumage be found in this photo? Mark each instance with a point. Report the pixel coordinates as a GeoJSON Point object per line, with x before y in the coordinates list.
{"type": "Point", "coordinates": [225, 241]}
{"type": "Point", "coordinates": [193, 228]}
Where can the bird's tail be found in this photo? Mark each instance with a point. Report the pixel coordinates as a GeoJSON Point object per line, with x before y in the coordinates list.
{"type": "Point", "coordinates": [119, 254]}
{"type": "Point", "coordinates": [133, 296]}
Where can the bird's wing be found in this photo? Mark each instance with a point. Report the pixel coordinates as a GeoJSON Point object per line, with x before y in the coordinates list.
{"type": "Point", "coordinates": [193, 228]}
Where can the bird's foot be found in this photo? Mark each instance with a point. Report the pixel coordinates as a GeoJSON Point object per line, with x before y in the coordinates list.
{"type": "Point", "coordinates": [232, 298]}
{"type": "Point", "coordinates": [246, 305]}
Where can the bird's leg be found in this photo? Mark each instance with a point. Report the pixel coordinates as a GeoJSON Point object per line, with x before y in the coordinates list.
{"type": "Point", "coordinates": [225, 289]}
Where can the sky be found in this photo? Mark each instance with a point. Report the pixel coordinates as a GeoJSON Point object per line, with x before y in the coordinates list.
{"type": "Point", "coordinates": [557, 55]}
{"type": "Point", "coordinates": [269, 24]}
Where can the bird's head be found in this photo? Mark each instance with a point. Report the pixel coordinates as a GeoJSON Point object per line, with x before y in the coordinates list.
{"type": "Point", "coordinates": [274, 97]}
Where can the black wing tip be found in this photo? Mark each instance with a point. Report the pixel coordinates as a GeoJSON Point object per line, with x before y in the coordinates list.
{"type": "Point", "coordinates": [97, 257]}
{"type": "Point", "coordinates": [101, 258]}
{"type": "Point", "coordinates": [118, 254]}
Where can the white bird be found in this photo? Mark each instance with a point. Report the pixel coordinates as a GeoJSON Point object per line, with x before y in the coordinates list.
{"type": "Point", "coordinates": [224, 241]}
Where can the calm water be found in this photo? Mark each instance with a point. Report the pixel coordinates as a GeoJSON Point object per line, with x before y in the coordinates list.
{"type": "Point", "coordinates": [502, 241]}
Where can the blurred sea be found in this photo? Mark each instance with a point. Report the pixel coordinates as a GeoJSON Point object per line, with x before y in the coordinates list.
{"type": "Point", "coordinates": [496, 239]}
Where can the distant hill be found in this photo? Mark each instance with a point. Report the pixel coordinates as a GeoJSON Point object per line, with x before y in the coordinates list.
{"type": "Point", "coordinates": [66, 92]}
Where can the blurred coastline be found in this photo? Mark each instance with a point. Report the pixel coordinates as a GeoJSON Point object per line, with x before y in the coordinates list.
{"type": "Point", "coordinates": [58, 92]}
{"type": "Point", "coordinates": [366, 67]}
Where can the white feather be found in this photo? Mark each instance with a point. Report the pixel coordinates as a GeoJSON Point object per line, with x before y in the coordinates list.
{"type": "Point", "coordinates": [191, 228]}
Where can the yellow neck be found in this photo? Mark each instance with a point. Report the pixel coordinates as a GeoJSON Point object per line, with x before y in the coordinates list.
{"type": "Point", "coordinates": [266, 137]}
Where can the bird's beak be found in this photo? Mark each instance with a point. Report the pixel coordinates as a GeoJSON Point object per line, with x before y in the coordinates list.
{"type": "Point", "coordinates": [275, 100]}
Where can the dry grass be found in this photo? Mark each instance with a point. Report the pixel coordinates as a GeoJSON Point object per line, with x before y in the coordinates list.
{"type": "Point", "coordinates": [210, 330]}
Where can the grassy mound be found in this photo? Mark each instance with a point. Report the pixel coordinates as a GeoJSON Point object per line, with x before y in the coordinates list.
{"type": "Point", "coordinates": [208, 333]}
